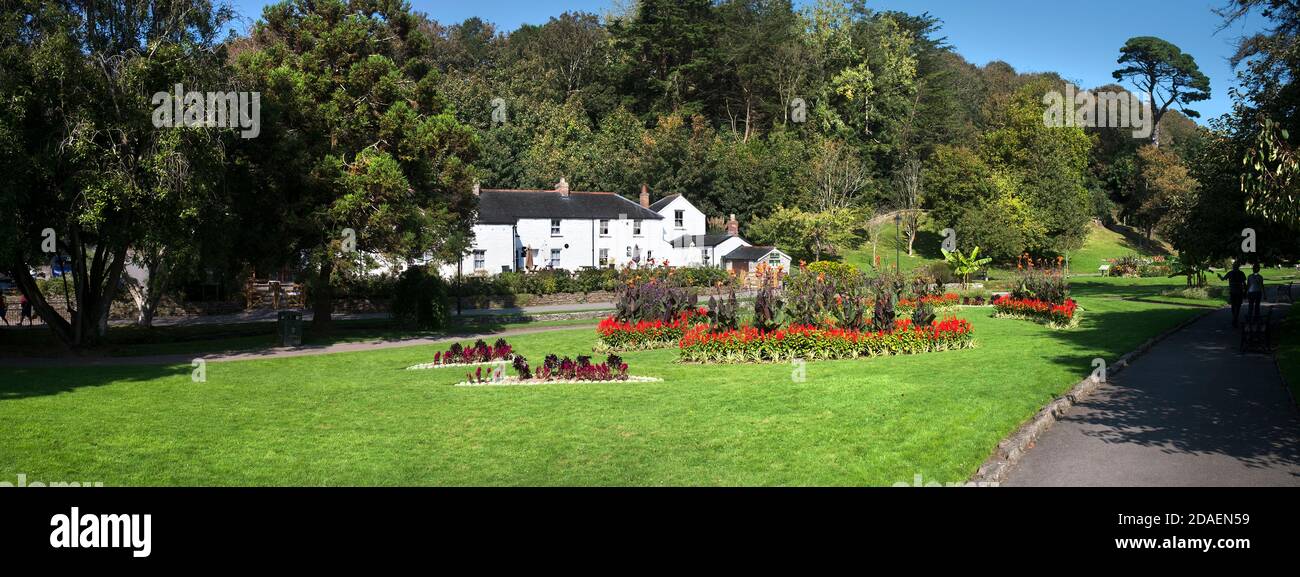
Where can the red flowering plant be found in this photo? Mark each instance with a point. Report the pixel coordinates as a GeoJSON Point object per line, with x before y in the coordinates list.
{"type": "Point", "coordinates": [476, 354]}
{"type": "Point", "coordinates": [1041, 294]}
{"type": "Point", "coordinates": [555, 368]}
{"type": "Point", "coordinates": [749, 344]}
{"type": "Point", "coordinates": [1054, 315]}
{"type": "Point", "coordinates": [651, 313]}
{"type": "Point", "coordinates": [616, 335]}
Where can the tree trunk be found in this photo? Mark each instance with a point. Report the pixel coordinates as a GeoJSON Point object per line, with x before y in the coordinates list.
{"type": "Point", "coordinates": [323, 297]}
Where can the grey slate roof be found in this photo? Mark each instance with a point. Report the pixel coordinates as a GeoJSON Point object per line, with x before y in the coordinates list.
{"type": "Point", "coordinates": [497, 206]}
{"type": "Point", "coordinates": [701, 240]}
{"type": "Point", "coordinates": [659, 204]}
{"type": "Point", "coordinates": [748, 253]}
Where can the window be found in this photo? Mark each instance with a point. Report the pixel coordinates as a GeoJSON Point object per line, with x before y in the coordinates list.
{"type": "Point", "coordinates": [480, 258]}
{"type": "Point", "coordinates": [555, 258]}
{"type": "Point", "coordinates": [774, 259]}
{"type": "Point", "coordinates": [629, 252]}
{"type": "Point", "coordinates": [636, 228]}
{"type": "Point", "coordinates": [604, 227]}
{"type": "Point", "coordinates": [555, 227]}
{"type": "Point", "coordinates": [604, 257]}
{"type": "Point", "coordinates": [704, 256]}
{"type": "Point", "coordinates": [679, 218]}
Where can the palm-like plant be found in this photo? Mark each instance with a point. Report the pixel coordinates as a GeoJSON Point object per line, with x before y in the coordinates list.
{"type": "Point", "coordinates": [965, 265]}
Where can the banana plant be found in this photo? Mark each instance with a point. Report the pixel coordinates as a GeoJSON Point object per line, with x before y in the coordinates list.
{"type": "Point", "coordinates": [965, 265]}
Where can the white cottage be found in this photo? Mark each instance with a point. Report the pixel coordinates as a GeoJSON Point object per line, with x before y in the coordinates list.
{"type": "Point", "coordinates": [563, 229]}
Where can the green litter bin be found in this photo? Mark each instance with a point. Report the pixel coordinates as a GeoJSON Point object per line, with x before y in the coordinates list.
{"type": "Point", "coordinates": [290, 328]}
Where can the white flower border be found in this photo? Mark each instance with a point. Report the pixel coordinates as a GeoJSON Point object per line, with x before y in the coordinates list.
{"type": "Point", "coordinates": [423, 366]}
{"type": "Point", "coordinates": [517, 382]}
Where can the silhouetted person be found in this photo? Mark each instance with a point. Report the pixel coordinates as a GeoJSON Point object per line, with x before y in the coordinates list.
{"type": "Point", "coordinates": [25, 311]}
{"type": "Point", "coordinates": [1254, 291]}
{"type": "Point", "coordinates": [1236, 289]}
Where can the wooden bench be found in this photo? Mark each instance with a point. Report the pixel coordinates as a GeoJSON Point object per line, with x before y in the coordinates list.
{"type": "Point", "coordinates": [273, 294]}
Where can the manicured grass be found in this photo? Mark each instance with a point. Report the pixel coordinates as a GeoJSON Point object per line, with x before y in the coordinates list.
{"type": "Point", "coordinates": [133, 341]}
{"type": "Point", "coordinates": [1104, 243]}
{"type": "Point", "coordinates": [360, 419]}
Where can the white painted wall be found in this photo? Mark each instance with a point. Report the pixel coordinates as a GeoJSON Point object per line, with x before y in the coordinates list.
{"type": "Point", "coordinates": [693, 220]}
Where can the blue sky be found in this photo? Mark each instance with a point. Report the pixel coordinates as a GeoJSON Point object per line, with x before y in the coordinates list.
{"type": "Point", "coordinates": [1079, 40]}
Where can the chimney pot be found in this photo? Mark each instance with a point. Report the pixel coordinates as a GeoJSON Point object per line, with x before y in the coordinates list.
{"type": "Point", "coordinates": [562, 187]}
{"type": "Point", "coordinates": [645, 195]}
{"type": "Point", "coordinates": [733, 227]}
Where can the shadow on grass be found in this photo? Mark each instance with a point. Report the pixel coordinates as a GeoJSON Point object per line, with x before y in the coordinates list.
{"type": "Point", "coordinates": [1192, 393]}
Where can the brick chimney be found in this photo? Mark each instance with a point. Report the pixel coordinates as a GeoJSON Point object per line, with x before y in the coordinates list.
{"type": "Point", "coordinates": [645, 195]}
{"type": "Point", "coordinates": [562, 187]}
{"type": "Point", "coordinates": [733, 227]}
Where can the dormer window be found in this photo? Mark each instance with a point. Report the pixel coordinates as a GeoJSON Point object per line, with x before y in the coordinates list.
{"type": "Point", "coordinates": [679, 219]}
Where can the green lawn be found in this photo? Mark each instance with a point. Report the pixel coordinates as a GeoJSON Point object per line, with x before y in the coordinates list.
{"type": "Point", "coordinates": [132, 341]}
{"type": "Point", "coordinates": [360, 419]}
{"type": "Point", "coordinates": [1288, 351]}
{"type": "Point", "coordinates": [1102, 244]}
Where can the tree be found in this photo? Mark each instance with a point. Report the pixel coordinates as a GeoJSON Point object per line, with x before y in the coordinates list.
{"type": "Point", "coordinates": [666, 51]}
{"type": "Point", "coordinates": [83, 158]}
{"type": "Point", "coordinates": [356, 138]}
{"type": "Point", "coordinates": [841, 176]}
{"type": "Point", "coordinates": [1164, 189]}
{"type": "Point", "coordinates": [1156, 66]}
{"type": "Point", "coordinates": [805, 235]}
{"type": "Point", "coordinates": [908, 199]}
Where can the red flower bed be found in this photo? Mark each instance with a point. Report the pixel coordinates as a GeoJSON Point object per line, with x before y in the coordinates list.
{"type": "Point", "coordinates": [627, 335]}
{"type": "Point", "coordinates": [1059, 315]}
{"type": "Point", "coordinates": [749, 344]}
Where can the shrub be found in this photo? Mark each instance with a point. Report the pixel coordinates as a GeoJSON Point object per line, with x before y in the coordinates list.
{"type": "Point", "coordinates": [1043, 280]}
{"type": "Point", "coordinates": [1056, 315]}
{"type": "Point", "coordinates": [420, 300]}
{"type": "Point", "coordinates": [750, 344]}
{"type": "Point", "coordinates": [885, 291]}
{"type": "Point", "coordinates": [827, 294]}
{"type": "Point", "coordinates": [653, 299]}
{"type": "Point", "coordinates": [769, 309]}
{"type": "Point", "coordinates": [724, 313]}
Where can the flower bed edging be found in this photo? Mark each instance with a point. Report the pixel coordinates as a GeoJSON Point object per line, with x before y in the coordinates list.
{"type": "Point", "coordinates": [423, 366]}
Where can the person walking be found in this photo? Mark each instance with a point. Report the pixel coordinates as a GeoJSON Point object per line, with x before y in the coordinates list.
{"type": "Point", "coordinates": [1236, 289]}
{"type": "Point", "coordinates": [1254, 291]}
{"type": "Point", "coordinates": [25, 311]}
